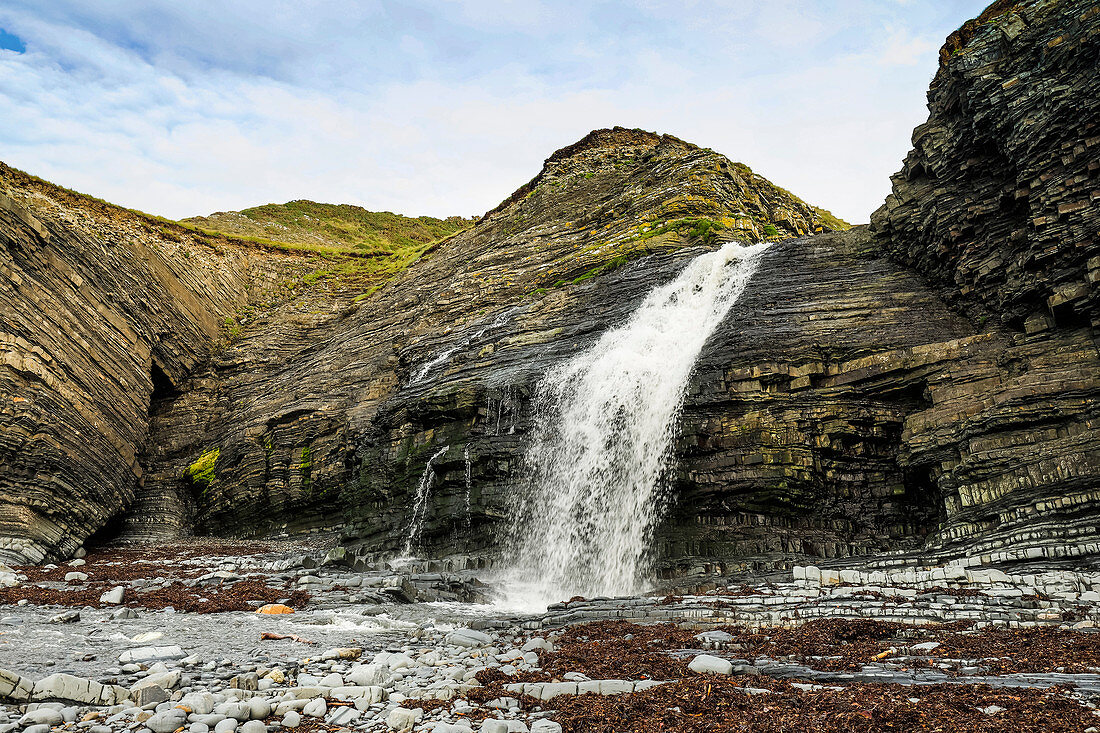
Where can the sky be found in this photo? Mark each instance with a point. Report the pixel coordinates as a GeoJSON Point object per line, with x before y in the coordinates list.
{"type": "Point", "coordinates": [445, 107]}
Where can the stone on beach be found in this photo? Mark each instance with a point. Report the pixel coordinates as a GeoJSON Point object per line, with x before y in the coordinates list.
{"type": "Point", "coordinates": [707, 664]}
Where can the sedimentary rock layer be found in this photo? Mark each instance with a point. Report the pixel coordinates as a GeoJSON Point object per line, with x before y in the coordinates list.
{"type": "Point", "coordinates": [101, 316]}
{"type": "Point", "coordinates": [928, 384]}
{"type": "Point", "coordinates": [178, 382]}
{"type": "Point", "coordinates": [998, 203]}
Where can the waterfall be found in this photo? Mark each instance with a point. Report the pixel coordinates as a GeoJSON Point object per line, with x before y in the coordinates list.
{"type": "Point", "coordinates": [420, 509]}
{"type": "Point", "coordinates": [597, 466]}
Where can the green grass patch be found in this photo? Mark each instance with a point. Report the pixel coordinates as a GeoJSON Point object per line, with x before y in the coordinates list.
{"type": "Point", "coordinates": [201, 472]}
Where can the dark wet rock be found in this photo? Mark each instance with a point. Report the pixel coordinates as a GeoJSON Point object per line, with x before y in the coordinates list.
{"type": "Point", "coordinates": [927, 385]}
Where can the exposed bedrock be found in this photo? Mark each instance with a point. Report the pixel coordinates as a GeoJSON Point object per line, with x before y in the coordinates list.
{"type": "Point", "coordinates": [998, 203]}
{"type": "Point", "coordinates": [100, 317]}
{"type": "Point", "coordinates": [327, 414]}
{"type": "Point", "coordinates": [927, 384]}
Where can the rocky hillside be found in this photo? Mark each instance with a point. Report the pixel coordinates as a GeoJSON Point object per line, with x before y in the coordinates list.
{"type": "Point", "coordinates": [926, 385]}
{"type": "Point", "coordinates": [207, 382]}
{"type": "Point", "coordinates": [339, 227]}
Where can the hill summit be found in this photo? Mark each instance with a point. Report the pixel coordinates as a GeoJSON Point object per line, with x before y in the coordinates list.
{"type": "Point", "coordinates": [341, 227]}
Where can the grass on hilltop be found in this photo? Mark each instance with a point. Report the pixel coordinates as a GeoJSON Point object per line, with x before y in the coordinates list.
{"type": "Point", "coordinates": [336, 227]}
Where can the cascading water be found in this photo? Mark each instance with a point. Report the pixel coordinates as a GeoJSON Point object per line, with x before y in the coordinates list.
{"type": "Point", "coordinates": [420, 509]}
{"type": "Point", "coordinates": [469, 482]}
{"type": "Point", "coordinates": [444, 357]}
{"type": "Point", "coordinates": [605, 420]}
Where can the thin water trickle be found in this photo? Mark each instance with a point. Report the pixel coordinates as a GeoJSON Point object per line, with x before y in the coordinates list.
{"type": "Point", "coordinates": [469, 482]}
{"type": "Point", "coordinates": [445, 356]}
{"type": "Point", "coordinates": [420, 509]}
{"type": "Point", "coordinates": [597, 466]}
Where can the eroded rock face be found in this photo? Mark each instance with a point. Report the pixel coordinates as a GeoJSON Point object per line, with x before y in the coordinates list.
{"type": "Point", "coordinates": [929, 384]}
{"type": "Point", "coordinates": [329, 411]}
{"type": "Point", "coordinates": [847, 410]}
{"type": "Point", "coordinates": [998, 203]}
{"type": "Point", "coordinates": [100, 317]}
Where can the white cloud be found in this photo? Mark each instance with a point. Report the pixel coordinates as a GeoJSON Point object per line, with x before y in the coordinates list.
{"type": "Point", "coordinates": [455, 111]}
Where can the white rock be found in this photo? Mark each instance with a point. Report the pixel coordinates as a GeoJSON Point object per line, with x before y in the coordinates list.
{"type": "Point", "coordinates": [343, 716]}
{"type": "Point", "coordinates": [259, 708]}
{"type": "Point", "coordinates": [167, 680]}
{"type": "Point", "coordinates": [366, 674]}
{"type": "Point", "coordinates": [370, 693]}
{"type": "Point", "coordinates": [226, 726]}
{"type": "Point", "coordinates": [545, 726]}
{"type": "Point", "coordinates": [400, 661]}
{"type": "Point", "coordinates": [403, 719]}
{"type": "Point", "coordinates": [714, 638]}
{"type": "Point", "coordinates": [332, 680]}
{"type": "Point", "coordinates": [42, 716]}
{"type": "Point", "coordinates": [200, 703]}
{"type": "Point", "coordinates": [151, 653]}
{"type": "Point", "coordinates": [68, 687]}
{"type": "Point", "coordinates": [15, 687]}
{"type": "Point", "coordinates": [292, 720]}
{"type": "Point", "coordinates": [850, 576]}
{"type": "Point", "coordinates": [925, 646]}
{"type": "Point", "coordinates": [468, 638]}
{"type": "Point", "coordinates": [707, 664]}
{"type": "Point", "coordinates": [113, 596]}
{"type": "Point", "coordinates": [167, 721]}
{"type": "Point", "coordinates": [553, 689]}
{"type": "Point", "coordinates": [254, 726]}
{"type": "Point", "coordinates": [75, 577]}
{"type": "Point", "coordinates": [316, 708]}
{"type": "Point", "coordinates": [239, 711]}
{"type": "Point", "coordinates": [536, 642]}
{"type": "Point", "coordinates": [614, 687]}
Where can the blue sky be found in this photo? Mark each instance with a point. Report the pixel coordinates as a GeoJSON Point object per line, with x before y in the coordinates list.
{"type": "Point", "coordinates": [446, 107]}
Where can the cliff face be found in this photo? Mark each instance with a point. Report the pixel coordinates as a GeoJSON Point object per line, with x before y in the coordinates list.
{"type": "Point", "coordinates": [165, 380]}
{"type": "Point", "coordinates": [327, 416]}
{"type": "Point", "coordinates": [102, 317]}
{"type": "Point", "coordinates": [998, 204]}
{"type": "Point", "coordinates": [928, 384]}
{"type": "Point", "coordinates": [933, 385]}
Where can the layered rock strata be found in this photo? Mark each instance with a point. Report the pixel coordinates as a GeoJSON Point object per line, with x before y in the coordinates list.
{"type": "Point", "coordinates": [998, 203]}
{"type": "Point", "coordinates": [275, 431]}
{"type": "Point", "coordinates": [102, 317]}
{"type": "Point", "coordinates": [929, 384]}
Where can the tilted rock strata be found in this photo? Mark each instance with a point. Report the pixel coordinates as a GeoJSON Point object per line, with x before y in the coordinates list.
{"type": "Point", "coordinates": [846, 410]}
{"type": "Point", "coordinates": [998, 203]}
{"type": "Point", "coordinates": [100, 316]}
{"type": "Point", "coordinates": [330, 413]}
{"type": "Point", "coordinates": [928, 385]}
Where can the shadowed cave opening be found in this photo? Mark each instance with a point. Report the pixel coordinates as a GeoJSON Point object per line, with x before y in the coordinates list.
{"type": "Point", "coordinates": [163, 387]}
{"type": "Point", "coordinates": [111, 531]}
{"type": "Point", "coordinates": [922, 503]}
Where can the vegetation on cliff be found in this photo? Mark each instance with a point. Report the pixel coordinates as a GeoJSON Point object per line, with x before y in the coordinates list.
{"type": "Point", "coordinates": [336, 227]}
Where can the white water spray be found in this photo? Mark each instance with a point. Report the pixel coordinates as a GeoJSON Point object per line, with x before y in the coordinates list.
{"type": "Point", "coordinates": [602, 445]}
{"type": "Point", "coordinates": [469, 482]}
{"type": "Point", "coordinates": [420, 509]}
